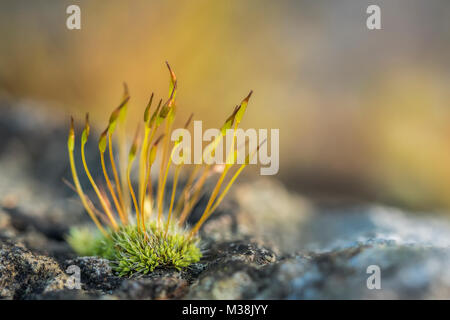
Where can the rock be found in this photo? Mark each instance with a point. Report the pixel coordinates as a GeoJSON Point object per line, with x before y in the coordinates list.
{"type": "Point", "coordinates": [264, 210]}
{"type": "Point", "coordinates": [23, 274]}
{"type": "Point", "coordinates": [337, 247]}
{"type": "Point", "coordinates": [231, 270]}
{"type": "Point", "coordinates": [96, 274]}
{"type": "Point", "coordinates": [407, 272]}
{"type": "Point", "coordinates": [29, 233]}
{"type": "Point", "coordinates": [155, 287]}
{"type": "Point", "coordinates": [67, 294]}
{"type": "Point", "coordinates": [337, 228]}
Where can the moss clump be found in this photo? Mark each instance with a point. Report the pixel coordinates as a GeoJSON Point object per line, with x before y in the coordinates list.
{"type": "Point", "coordinates": [133, 252]}
{"type": "Point", "coordinates": [129, 234]}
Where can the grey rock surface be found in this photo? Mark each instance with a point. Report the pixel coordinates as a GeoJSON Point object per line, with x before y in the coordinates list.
{"type": "Point", "coordinates": [24, 274]}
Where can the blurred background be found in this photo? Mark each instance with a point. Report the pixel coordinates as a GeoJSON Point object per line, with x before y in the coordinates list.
{"type": "Point", "coordinates": [362, 114]}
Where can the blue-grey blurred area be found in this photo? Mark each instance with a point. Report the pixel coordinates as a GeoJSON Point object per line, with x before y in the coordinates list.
{"type": "Point", "coordinates": [362, 113]}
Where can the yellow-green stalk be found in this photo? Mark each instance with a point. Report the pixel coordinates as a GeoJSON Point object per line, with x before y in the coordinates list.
{"type": "Point", "coordinates": [233, 179]}
{"type": "Point", "coordinates": [236, 117]}
{"type": "Point", "coordinates": [176, 174]}
{"type": "Point", "coordinates": [103, 203]}
{"type": "Point", "coordinates": [102, 147]}
{"type": "Point", "coordinates": [119, 112]}
{"type": "Point", "coordinates": [146, 182]}
{"type": "Point", "coordinates": [123, 152]}
{"type": "Point", "coordinates": [168, 113]}
{"type": "Point", "coordinates": [189, 203]}
{"type": "Point", "coordinates": [185, 190]}
{"type": "Point", "coordinates": [131, 156]}
{"type": "Point", "coordinates": [76, 181]}
{"type": "Point", "coordinates": [144, 151]}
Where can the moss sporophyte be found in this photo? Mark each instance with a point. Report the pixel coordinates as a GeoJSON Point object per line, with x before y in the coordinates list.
{"type": "Point", "coordinates": [144, 233]}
